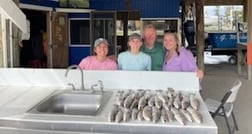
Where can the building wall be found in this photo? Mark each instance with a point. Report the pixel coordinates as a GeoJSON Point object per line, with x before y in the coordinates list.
{"type": "Point", "coordinates": [158, 9]}
{"type": "Point", "coordinates": [146, 8]}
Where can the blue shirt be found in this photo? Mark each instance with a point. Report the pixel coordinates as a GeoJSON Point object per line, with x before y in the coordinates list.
{"type": "Point", "coordinates": [136, 62]}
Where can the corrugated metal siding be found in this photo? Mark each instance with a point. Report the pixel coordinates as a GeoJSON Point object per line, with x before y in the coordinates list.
{"type": "Point", "coordinates": [147, 8]}
{"type": "Point", "coordinates": [47, 3]}
{"type": "Point", "coordinates": [107, 4]}
{"type": "Point", "coordinates": [157, 8]}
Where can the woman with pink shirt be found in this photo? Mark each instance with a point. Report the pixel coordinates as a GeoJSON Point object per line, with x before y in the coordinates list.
{"type": "Point", "coordinates": [99, 61]}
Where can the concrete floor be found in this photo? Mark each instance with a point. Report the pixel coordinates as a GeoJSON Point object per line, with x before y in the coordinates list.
{"type": "Point", "coordinates": [219, 76]}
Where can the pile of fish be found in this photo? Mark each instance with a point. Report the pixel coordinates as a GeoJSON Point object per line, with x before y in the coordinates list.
{"type": "Point", "coordinates": [155, 106]}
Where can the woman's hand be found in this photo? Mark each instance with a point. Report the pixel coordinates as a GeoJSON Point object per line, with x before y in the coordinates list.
{"type": "Point", "coordinates": [199, 73]}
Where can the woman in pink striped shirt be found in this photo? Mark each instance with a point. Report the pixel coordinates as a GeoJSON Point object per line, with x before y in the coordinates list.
{"type": "Point", "coordinates": [99, 61]}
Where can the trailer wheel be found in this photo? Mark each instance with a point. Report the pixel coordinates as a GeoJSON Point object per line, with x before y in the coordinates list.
{"type": "Point", "coordinates": [232, 59]}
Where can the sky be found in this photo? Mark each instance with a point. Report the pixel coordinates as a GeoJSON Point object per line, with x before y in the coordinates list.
{"type": "Point", "coordinates": [210, 10]}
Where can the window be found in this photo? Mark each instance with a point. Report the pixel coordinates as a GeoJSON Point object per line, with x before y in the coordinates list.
{"type": "Point", "coordinates": [222, 18]}
{"type": "Point", "coordinates": [79, 32]}
{"type": "Point", "coordinates": [133, 27]}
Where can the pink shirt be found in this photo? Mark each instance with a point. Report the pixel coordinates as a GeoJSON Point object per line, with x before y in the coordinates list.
{"type": "Point", "coordinates": [91, 63]}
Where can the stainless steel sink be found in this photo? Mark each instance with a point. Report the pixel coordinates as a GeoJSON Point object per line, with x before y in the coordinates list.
{"type": "Point", "coordinates": [72, 103]}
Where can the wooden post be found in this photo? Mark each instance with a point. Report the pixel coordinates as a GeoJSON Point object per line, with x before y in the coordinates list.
{"type": "Point", "coordinates": [245, 10]}
{"type": "Point", "coordinates": [16, 2]}
{"type": "Point", "coordinates": [16, 43]}
{"type": "Point", "coordinates": [1, 43]}
{"type": "Point", "coordinates": [200, 42]}
{"type": "Point", "coordinates": [249, 39]}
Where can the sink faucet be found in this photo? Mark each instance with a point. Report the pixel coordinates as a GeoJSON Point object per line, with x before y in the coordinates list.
{"type": "Point", "coordinates": [100, 84]}
{"type": "Point", "coordinates": [82, 78]}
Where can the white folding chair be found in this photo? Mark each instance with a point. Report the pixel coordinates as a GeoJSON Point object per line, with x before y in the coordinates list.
{"type": "Point", "coordinates": [225, 106]}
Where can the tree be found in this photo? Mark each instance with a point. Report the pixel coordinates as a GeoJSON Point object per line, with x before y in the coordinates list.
{"type": "Point", "coordinates": [227, 15]}
{"type": "Point", "coordinates": [217, 13]}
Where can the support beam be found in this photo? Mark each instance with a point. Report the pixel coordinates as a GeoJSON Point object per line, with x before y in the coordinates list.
{"type": "Point", "coordinates": [249, 40]}
{"type": "Point", "coordinates": [199, 4]}
{"type": "Point", "coordinates": [249, 20]}
{"type": "Point", "coordinates": [223, 2]}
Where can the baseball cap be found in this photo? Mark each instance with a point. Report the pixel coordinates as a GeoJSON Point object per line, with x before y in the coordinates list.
{"type": "Point", "coordinates": [99, 41]}
{"type": "Point", "coordinates": [135, 36]}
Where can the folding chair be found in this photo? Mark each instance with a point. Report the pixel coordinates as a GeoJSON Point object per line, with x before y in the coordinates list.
{"type": "Point", "coordinates": [225, 106]}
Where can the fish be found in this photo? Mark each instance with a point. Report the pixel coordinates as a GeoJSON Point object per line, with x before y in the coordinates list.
{"type": "Point", "coordinates": [158, 102]}
{"type": "Point", "coordinates": [170, 92]}
{"type": "Point", "coordinates": [134, 114]}
{"type": "Point", "coordinates": [185, 102]}
{"type": "Point", "coordinates": [141, 92]}
{"type": "Point", "coordinates": [178, 116]}
{"type": "Point", "coordinates": [113, 112]}
{"type": "Point", "coordinates": [147, 94]}
{"type": "Point", "coordinates": [128, 101]}
{"type": "Point", "coordinates": [119, 116]}
{"type": "Point", "coordinates": [126, 114]}
{"type": "Point", "coordinates": [147, 113]}
{"type": "Point", "coordinates": [170, 115]}
{"type": "Point", "coordinates": [140, 115]}
{"type": "Point", "coordinates": [177, 102]}
{"type": "Point", "coordinates": [134, 104]}
{"type": "Point", "coordinates": [166, 106]}
{"type": "Point", "coordinates": [151, 101]}
{"type": "Point", "coordinates": [142, 102]}
{"type": "Point", "coordinates": [119, 98]}
{"type": "Point", "coordinates": [162, 97]}
{"type": "Point", "coordinates": [197, 117]}
{"type": "Point", "coordinates": [194, 102]}
{"type": "Point", "coordinates": [126, 94]}
{"type": "Point", "coordinates": [174, 110]}
{"type": "Point", "coordinates": [156, 113]}
{"type": "Point", "coordinates": [187, 115]}
{"type": "Point", "coordinates": [170, 102]}
{"type": "Point", "coordinates": [137, 94]}
{"type": "Point", "coordinates": [164, 116]}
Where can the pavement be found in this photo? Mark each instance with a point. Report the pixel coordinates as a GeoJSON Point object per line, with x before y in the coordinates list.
{"type": "Point", "coordinates": [218, 78]}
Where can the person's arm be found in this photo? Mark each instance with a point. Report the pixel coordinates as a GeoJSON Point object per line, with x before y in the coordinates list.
{"type": "Point", "coordinates": [84, 63]}
{"type": "Point", "coordinates": [187, 61]}
{"type": "Point", "coordinates": [200, 74]}
{"type": "Point", "coordinates": [149, 63]}
{"type": "Point", "coordinates": [189, 64]}
{"type": "Point", "coordinates": [114, 66]}
{"type": "Point", "coordinates": [119, 62]}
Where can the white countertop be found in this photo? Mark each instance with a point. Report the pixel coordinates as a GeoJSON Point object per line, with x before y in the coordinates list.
{"type": "Point", "coordinates": [15, 101]}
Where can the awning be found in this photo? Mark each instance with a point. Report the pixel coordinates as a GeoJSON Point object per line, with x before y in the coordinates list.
{"type": "Point", "coordinates": [73, 10]}
{"type": "Point", "coordinates": [11, 11]}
